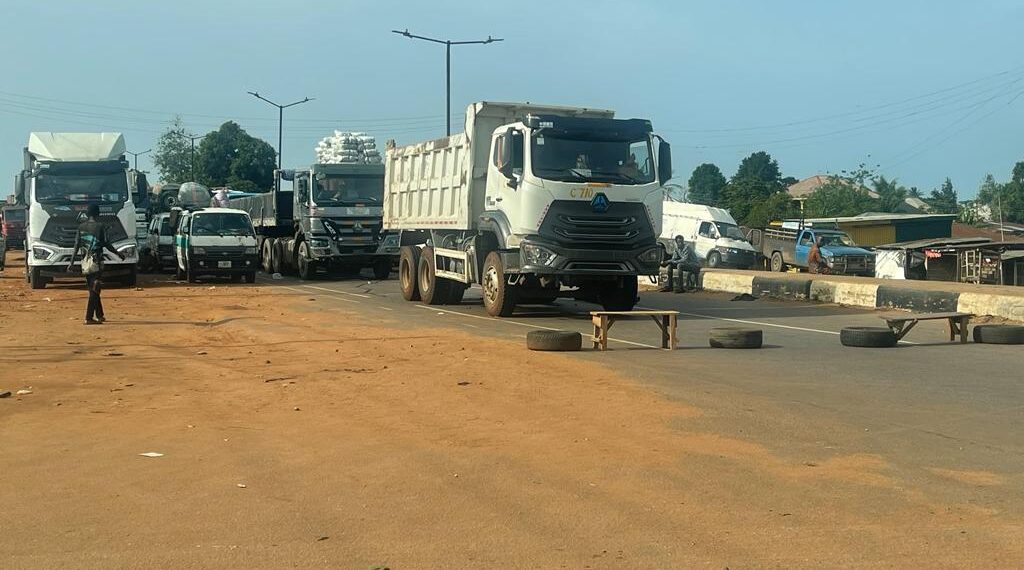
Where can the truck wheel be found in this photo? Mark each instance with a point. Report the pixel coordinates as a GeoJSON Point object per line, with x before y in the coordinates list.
{"type": "Point", "coordinates": [168, 200]}
{"type": "Point", "coordinates": [714, 259]}
{"type": "Point", "coordinates": [131, 279]}
{"type": "Point", "coordinates": [250, 277]}
{"type": "Point", "coordinates": [306, 266]}
{"type": "Point", "coordinates": [554, 340]}
{"type": "Point", "coordinates": [190, 276]}
{"type": "Point", "coordinates": [434, 290]}
{"type": "Point", "coordinates": [36, 279]}
{"type": "Point", "coordinates": [277, 257]}
{"type": "Point", "coordinates": [499, 296]}
{"type": "Point", "coordinates": [382, 268]}
{"type": "Point", "coordinates": [869, 337]}
{"type": "Point", "coordinates": [455, 293]}
{"type": "Point", "coordinates": [267, 254]}
{"type": "Point", "coordinates": [999, 334]}
{"type": "Point", "coordinates": [777, 263]}
{"type": "Point", "coordinates": [179, 275]}
{"type": "Point", "coordinates": [408, 265]}
{"type": "Point", "coordinates": [615, 297]}
{"type": "Point", "coordinates": [735, 337]}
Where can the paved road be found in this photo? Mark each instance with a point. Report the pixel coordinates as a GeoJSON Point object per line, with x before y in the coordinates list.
{"type": "Point", "coordinates": [927, 408]}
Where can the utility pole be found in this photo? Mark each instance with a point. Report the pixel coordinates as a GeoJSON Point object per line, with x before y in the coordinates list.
{"type": "Point", "coordinates": [280, 118]}
{"type": "Point", "coordinates": [136, 155]}
{"type": "Point", "coordinates": [447, 65]}
{"type": "Point", "coordinates": [192, 162]}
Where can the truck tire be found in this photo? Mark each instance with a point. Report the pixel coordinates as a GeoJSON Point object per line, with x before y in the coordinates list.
{"type": "Point", "coordinates": [267, 256]}
{"type": "Point", "coordinates": [499, 296]}
{"type": "Point", "coordinates": [735, 337]}
{"type": "Point", "coordinates": [190, 275]}
{"type": "Point", "coordinates": [714, 259]}
{"type": "Point", "coordinates": [999, 334]}
{"type": "Point", "coordinates": [168, 200]}
{"type": "Point", "coordinates": [277, 258]}
{"type": "Point", "coordinates": [408, 265]}
{"type": "Point", "coordinates": [179, 275]}
{"type": "Point", "coordinates": [620, 298]}
{"type": "Point", "coordinates": [456, 292]}
{"type": "Point", "coordinates": [868, 337]}
{"type": "Point", "coordinates": [131, 279]}
{"type": "Point", "coordinates": [554, 340]}
{"type": "Point", "coordinates": [777, 264]}
{"type": "Point", "coordinates": [36, 279]}
{"type": "Point", "coordinates": [382, 269]}
{"type": "Point", "coordinates": [250, 277]}
{"type": "Point", "coordinates": [306, 266]}
{"type": "Point", "coordinates": [434, 290]}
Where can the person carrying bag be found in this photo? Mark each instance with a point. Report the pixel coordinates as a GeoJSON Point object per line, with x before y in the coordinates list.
{"type": "Point", "coordinates": [92, 237]}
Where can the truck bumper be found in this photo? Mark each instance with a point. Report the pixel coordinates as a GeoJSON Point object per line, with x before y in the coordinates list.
{"type": "Point", "coordinates": [61, 270]}
{"type": "Point", "coordinates": [738, 259]}
{"type": "Point", "coordinates": [213, 266]}
{"type": "Point", "coordinates": [644, 260]}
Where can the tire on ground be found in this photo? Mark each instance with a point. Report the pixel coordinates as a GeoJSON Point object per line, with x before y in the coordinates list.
{"type": "Point", "coordinates": [433, 289]}
{"type": "Point", "coordinates": [735, 337]}
{"type": "Point", "coordinates": [554, 340]}
{"type": "Point", "coordinates": [408, 266]}
{"type": "Point", "coordinates": [500, 298]}
{"type": "Point", "coordinates": [999, 334]}
{"type": "Point", "coordinates": [868, 337]}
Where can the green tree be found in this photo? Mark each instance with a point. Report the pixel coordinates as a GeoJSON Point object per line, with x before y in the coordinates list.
{"type": "Point", "coordinates": [231, 157]}
{"type": "Point", "coordinates": [891, 196]}
{"type": "Point", "coordinates": [944, 200]}
{"type": "Point", "coordinates": [778, 206]}
{"type": "Point", "coordinates": [173, 156]}
{"type": "Point", "coordinates": [706, 185]}
{"type": "Point", "coordinates": [756, 180]}
{"type": "Point", "coordinates": [759, 166]}
{"type": "Point", "coordinates": [1013, 195]}
{"type": "Point", "coordinates": [915, 192]}
{"type": "Point", "coordinates": [838, 197]}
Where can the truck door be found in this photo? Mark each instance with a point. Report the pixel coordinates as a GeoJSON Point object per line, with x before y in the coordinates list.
{"type": "Point", "coordinates": [502, 189]}
{"type": "Point", "coordinates": [181, 241]}
{"type": "Point", "coordinates": [707, 235]}
{"type": "Point", "coordinates": [803, 246]}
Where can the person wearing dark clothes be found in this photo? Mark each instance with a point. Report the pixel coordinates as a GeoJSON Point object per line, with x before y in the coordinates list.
{"type": "Point", "coordinates": [683, 260]}
{"type": "Point", "coordinates": [92, 238]}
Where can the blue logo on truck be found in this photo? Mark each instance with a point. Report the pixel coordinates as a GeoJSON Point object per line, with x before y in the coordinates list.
{"type": "Point", "coordinates": [600, 203]}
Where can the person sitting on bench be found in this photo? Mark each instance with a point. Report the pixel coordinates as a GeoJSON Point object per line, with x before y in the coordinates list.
{"type": "Point", "coordinates": [683, 260]}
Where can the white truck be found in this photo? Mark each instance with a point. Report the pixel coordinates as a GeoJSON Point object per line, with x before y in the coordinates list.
{"type": "Point", "coordinates": [533, 203]}
{"type": "Point", "coordinates": [715, 237]}
{"type": "Point", "coordinates": [63, 174]}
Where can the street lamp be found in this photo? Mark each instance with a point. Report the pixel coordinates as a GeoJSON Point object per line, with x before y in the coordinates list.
{"type": "Point", "coordinates": [448, 64]}
{"type": "Point", "coordinates": [136, 155]}
{"type": "Point", "coordinates": [280, 118]}
{"type": "Point", "coordinates": [192, 163]}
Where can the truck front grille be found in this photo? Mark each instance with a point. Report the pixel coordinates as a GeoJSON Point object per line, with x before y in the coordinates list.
{"type": "Point", "coordinates": [574, 224]}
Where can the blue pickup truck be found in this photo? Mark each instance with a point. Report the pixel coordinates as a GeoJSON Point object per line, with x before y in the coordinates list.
{"type": "Point", "coordinates": [785, 247]}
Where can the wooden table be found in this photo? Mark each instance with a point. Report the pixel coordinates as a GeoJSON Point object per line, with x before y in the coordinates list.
{"type": "Point", "coordinates": [957, 323]}
{"type": "Point", "coordinates": [603, 321]}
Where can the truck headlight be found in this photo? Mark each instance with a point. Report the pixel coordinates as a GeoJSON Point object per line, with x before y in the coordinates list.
{"type": "Point", "coordinates": [652, 255]}
{"type": "Point", "coordinates": [536, 255]}
{"type": "Point", "coordinates": [198, 250]}
{"type": "Point", "coordinates": [41, 253]}
{"type": "Point", "coordinates": [128, 250]}
{"type": "Point", "coordinates": [317, 242]}
{"type": "Point", "coordinates": [250, 251]}
{"type": "Point", "coordinates": [391, 240]}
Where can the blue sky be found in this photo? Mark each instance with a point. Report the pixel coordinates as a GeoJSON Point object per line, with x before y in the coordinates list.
{"type": "Point", "coordinates": [924, 89]}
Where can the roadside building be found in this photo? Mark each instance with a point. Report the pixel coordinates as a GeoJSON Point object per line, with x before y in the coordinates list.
{"type": "Point", "coordinates": [873, 229]}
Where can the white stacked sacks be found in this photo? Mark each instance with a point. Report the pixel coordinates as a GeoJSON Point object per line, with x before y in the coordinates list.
{"type": "Point", "coordinates": [345, 147]}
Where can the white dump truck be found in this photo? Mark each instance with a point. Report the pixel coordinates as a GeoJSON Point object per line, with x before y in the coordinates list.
{"type": "Point", "coordinates": [64, 173]}
{"type": "Point", "coordinates": [533, 203]}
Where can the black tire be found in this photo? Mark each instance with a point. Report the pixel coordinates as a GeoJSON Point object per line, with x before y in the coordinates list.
{"type": "Point", "coordinates": [777, 264]}
{"type": "Point", "coordinates": [267, 256]}
{"type": "Point", "coordinates": [250, 277]}
{"type": "Point", "coordinates": [36, 279]}
{"type": "Point", "coordinates": [277, 259]}
{"type": "Point", "coordinates": [735, 337]}
{"type": "Point", "coordinates": [408, 265]}
{"type": "Point", "coordinates": [236, 278]}
{"type": "Point", "coordinates": [306, 266]}
{"type": "Point", "coordinates": [434, 290]}
{"type": "Point", "coordinates": [131, 280]}
{"type": "Point", "coordinates": [868, 337]}
{"type": "Point", "coordinates": [456, 292]}
{"type": "Point", "coordinates": [620, 297]}
{"type": "Point", "coordinates": [191, 276]}
{"type": "Point", "coordinates": [168, 200]}
{"type": "Point", "coordinates": [499, 296]}
{"type": "Point", "coordinates": [382, 268]}
{"type": "Point", "coordinates": [714, 259]}
{"type": "Point", "coordinates": [999, 334]}
{"type": "Point", "coordinates": [554, 340]}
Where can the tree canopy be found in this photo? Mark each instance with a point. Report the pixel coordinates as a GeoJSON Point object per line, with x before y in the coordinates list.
{"type": "Point", "coordinates": [838, 197]}
{"type": "Point", "coordinates": [706, 185]}
{"type": "Point", "coordinates": [173, 155]}
{"type": "Point", "coordinates": [232, 157]}
{"type": "Point", "coordinates": [944, 200]}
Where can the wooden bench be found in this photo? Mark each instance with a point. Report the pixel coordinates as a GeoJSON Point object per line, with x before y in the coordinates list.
{"type": "Point", "coordinates": [603, 321]}
{"type": "Point", "coordinates": [957, 323]}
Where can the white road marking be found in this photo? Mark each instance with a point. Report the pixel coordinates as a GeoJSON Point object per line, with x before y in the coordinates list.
{"type": "Point", "coordinates": [532, 326]}
{"type": "Point", "coordinates": [385, 308]}
{"type": "Point", "coordinates": [336, 291]}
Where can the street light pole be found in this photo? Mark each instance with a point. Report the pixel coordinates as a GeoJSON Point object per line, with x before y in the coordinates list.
{"type": "Point", "coordinates": [280, 118]}
{"type": "Point", "coordinates": [136, 156]}
{"type": "Point", "coordinates": [192, 162]}
{"type": "Point", "coordinates": [448, 65]}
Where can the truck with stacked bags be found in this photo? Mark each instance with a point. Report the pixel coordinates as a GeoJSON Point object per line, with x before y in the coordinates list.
{"type": "Point", "coordinates": [532, 202]}
{"type": "Point", "coordinates": [329, 219]}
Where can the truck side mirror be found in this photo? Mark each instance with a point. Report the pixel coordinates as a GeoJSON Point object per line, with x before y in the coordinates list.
{"type": "Point", "coordinates": [19, 187]}
{"type": "Point", "coordinates": [664, 162]}
{"type": "Point", "coordinates": [505, 165]}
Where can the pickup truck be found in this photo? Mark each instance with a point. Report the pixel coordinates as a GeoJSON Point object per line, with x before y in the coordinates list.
{"type": "Point", "coordinates": [785, 247]}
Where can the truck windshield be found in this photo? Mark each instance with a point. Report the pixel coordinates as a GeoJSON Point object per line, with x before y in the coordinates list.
{"type": "Point", "coordinates": [221, 225]}
{"type": "Point", "coordinates": [69, 186]}
{"type": "Point", "coordinates": [730, 231]}
{"type": "Point", "coordinates": [581, 159]}
{"type": "Point", "coordinates": [348, 190]}
{"type": "Point", "coordinates": [14, 215]}
{"type": "Point", "coordinates": [836, 240]}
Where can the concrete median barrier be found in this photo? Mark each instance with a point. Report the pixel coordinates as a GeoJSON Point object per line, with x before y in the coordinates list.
{"type": "Point", "coordinates": [917, 300]}
{"type": "Point", "coordinates": [1003, 306]}
{"type": "Point", "coordinates": [856, 294]}
{"type": "Point", "coordinates": [728, 282]}
{"type": "Point", "coordinates": [782, 288]}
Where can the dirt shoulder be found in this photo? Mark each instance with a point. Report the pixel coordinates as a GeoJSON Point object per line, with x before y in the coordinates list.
{"type": "Point", "coordinates": [299, 436]}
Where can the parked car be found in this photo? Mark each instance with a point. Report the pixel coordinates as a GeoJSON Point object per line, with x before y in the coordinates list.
{"type": "Point", "coordinates": [157, 252]}
{"type": "Point", "coordinates": [215, 242]}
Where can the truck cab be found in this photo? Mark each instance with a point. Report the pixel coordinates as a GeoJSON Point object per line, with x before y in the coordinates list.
{"type": "Point", "coordinates": [215, 242]}
{"type": "Point", "coordinates": [12, 225]}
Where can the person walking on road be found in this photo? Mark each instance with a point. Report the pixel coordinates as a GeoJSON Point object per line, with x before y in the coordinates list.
{"type": "Point", "coordinates": [683, 260]}
{"type": "Point", "coordinates": [92, 238]}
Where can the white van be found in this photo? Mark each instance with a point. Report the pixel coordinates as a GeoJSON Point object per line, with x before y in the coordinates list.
{"type": "Point", "coordinates": [215, 241]}
{"type": "Point", "coordinates": [713, 234]}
